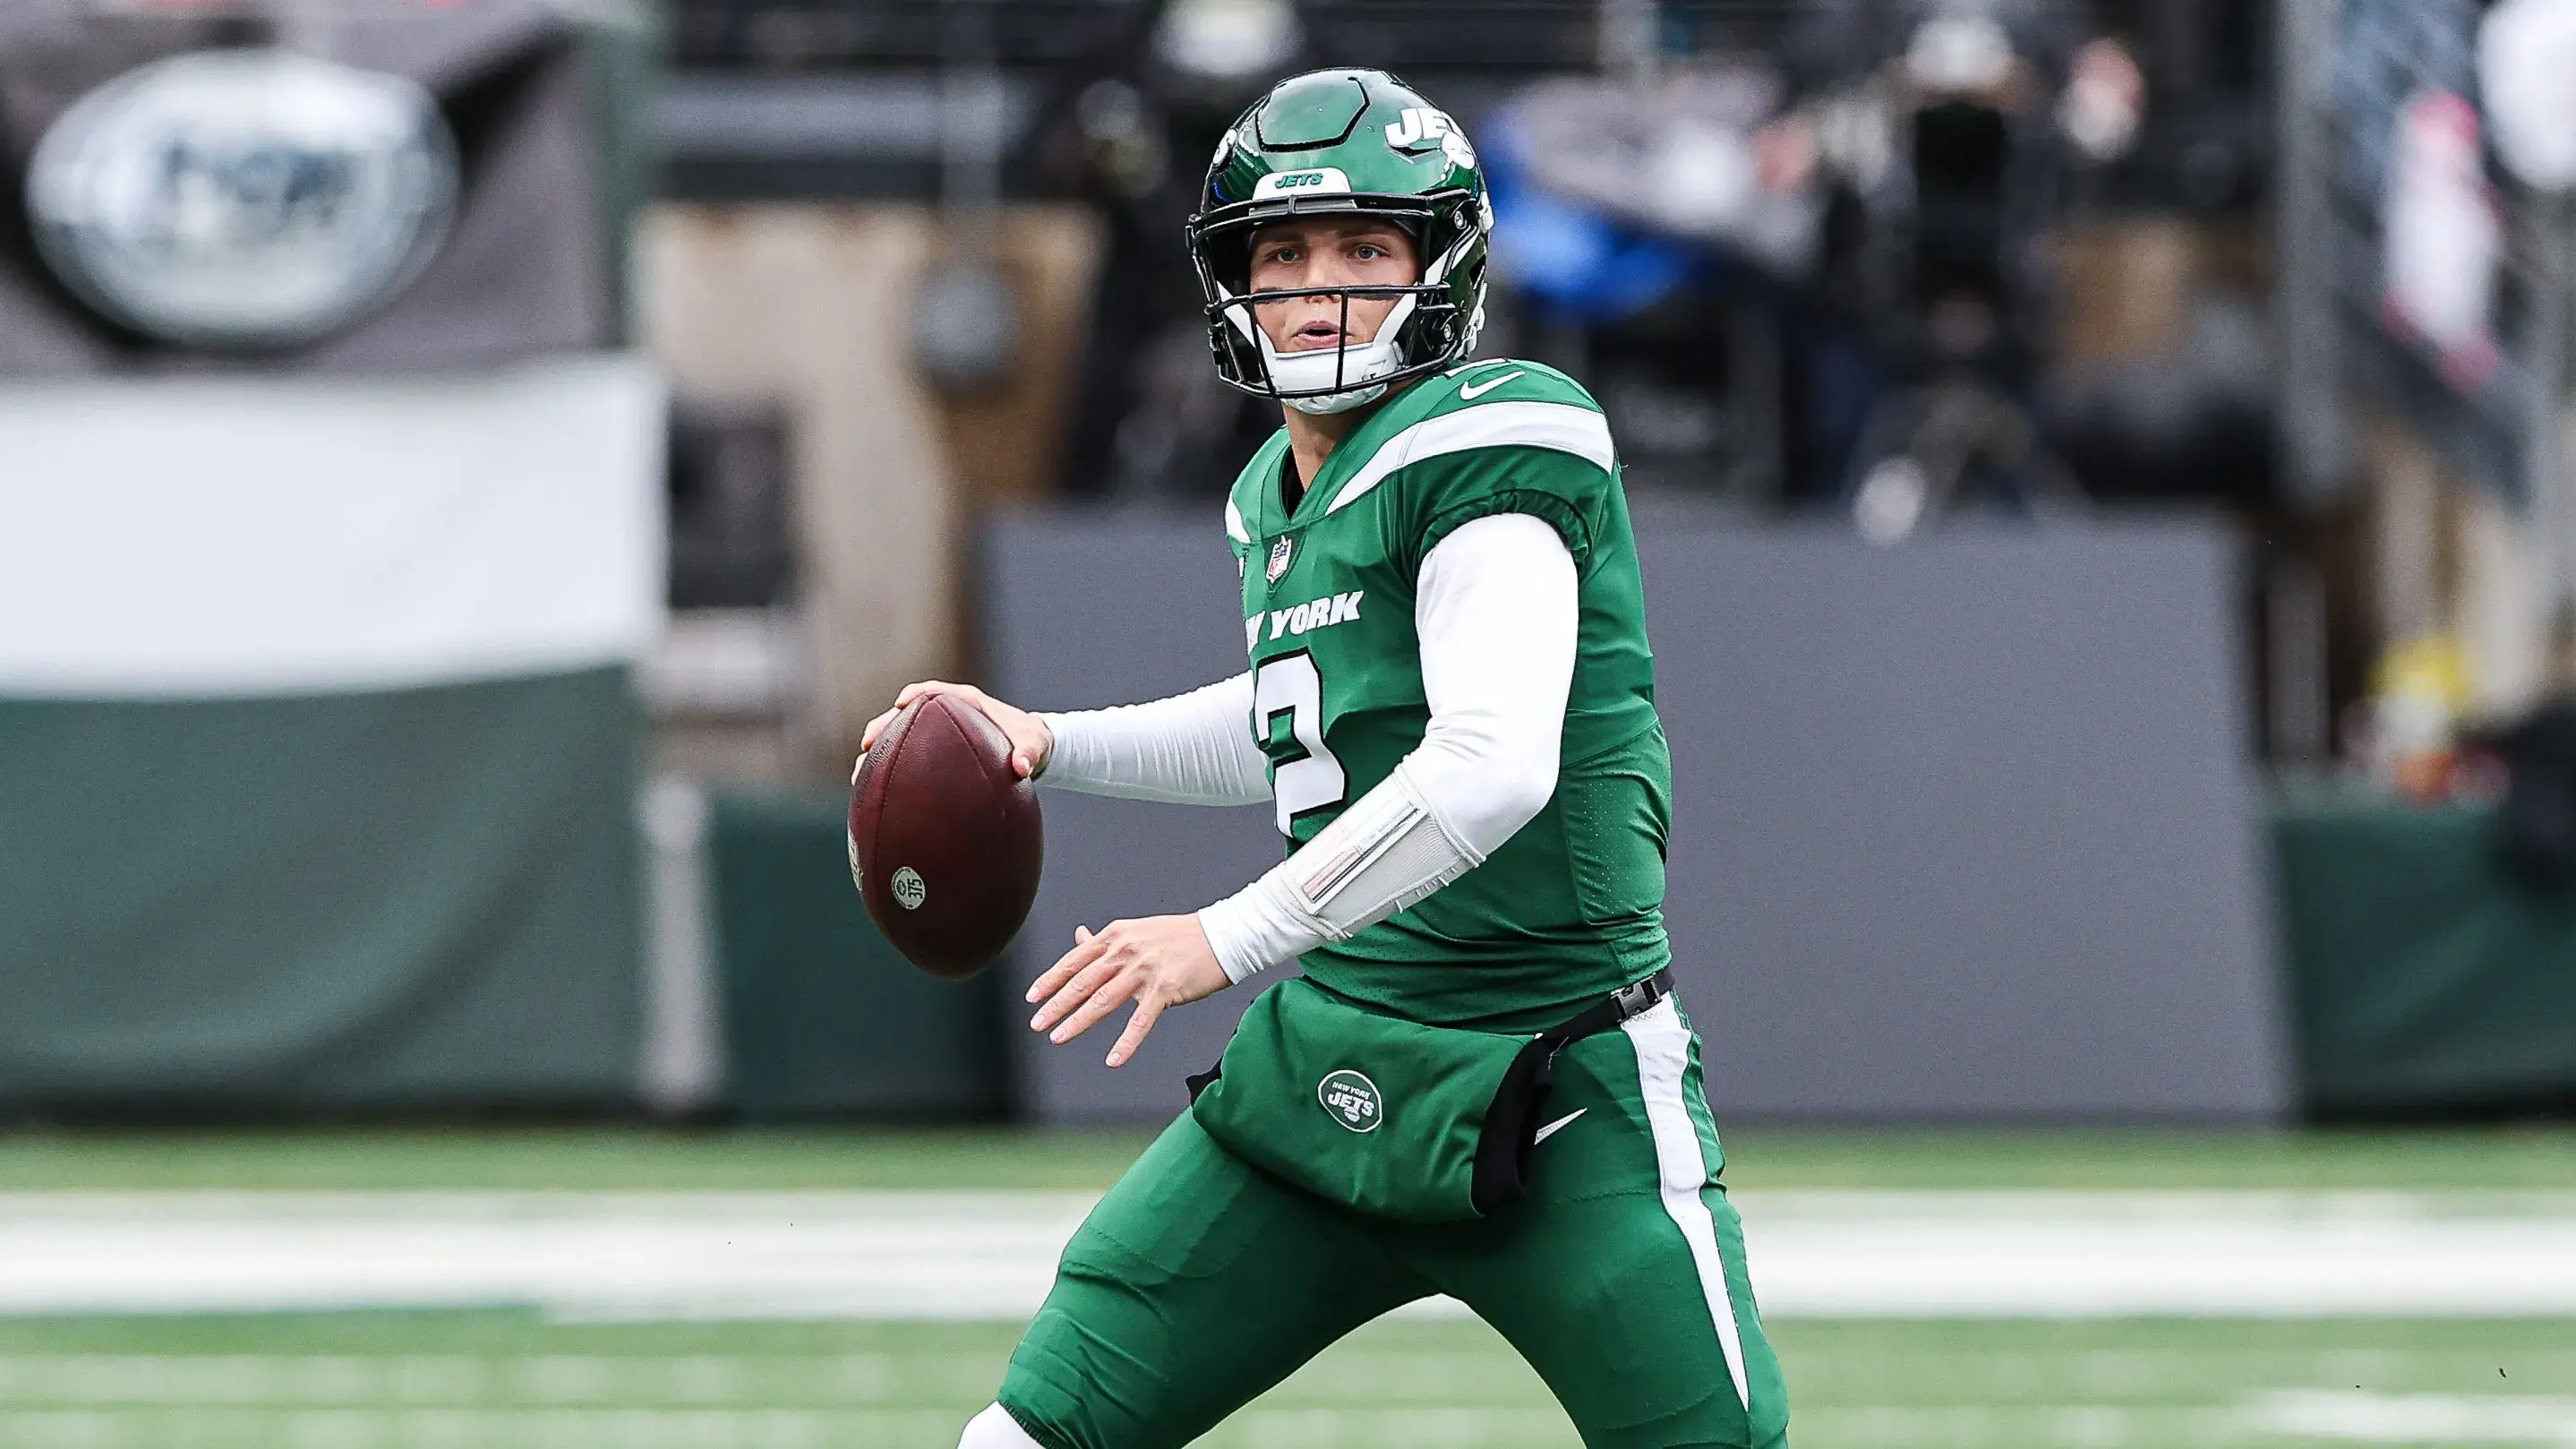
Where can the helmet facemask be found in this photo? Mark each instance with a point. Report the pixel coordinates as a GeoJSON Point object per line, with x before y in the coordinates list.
{"type": "Point", "coordinates": [1432, 323]}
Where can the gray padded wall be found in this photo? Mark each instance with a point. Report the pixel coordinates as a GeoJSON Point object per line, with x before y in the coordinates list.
{"type": "Point", "coordinates": [1963, 829]}
{"type": "Point", "coordinates": [1966, 828]}
{"type": "Point", "coordinates": [1084, 610]}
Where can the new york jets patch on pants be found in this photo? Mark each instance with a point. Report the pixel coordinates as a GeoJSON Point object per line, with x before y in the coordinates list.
{"type": "Point", "coordinates": [1198, 1283]}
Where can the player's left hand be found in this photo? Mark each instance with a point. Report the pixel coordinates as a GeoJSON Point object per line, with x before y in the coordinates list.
{"type": "Point", "coordinates": [1156, 962]}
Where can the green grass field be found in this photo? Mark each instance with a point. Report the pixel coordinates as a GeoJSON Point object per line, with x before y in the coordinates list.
{"type": "Point", "coordinates": [494, 1382]}
{"type": "Point", "coordinates": [499, 1380]}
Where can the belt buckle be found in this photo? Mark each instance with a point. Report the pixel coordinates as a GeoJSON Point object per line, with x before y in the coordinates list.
{"type": "Point", "coordinates": [1637, 998]}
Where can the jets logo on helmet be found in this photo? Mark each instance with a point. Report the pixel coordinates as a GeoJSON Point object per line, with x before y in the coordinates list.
{"type": "Point", "coordinates": [1424, 127]}
{"type": "Point", "coordinates": [1345, 143]}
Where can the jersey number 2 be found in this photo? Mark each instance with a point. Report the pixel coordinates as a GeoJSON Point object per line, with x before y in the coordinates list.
{"type": "Point", "coordinates": [1304, 775]}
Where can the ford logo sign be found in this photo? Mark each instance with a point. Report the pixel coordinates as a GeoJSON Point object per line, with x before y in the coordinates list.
{"type": "Point", "coordinates": [243, 198]}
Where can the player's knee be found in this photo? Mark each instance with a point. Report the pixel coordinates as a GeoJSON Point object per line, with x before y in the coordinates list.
{"type": "Point", "coordinates": [996, 1429]}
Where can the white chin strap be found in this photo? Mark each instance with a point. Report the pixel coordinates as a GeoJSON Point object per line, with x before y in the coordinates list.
{"type": "Point", "coordinates": [1354, 369]}
{"type": "Point", "coordinates": [1357, 369]}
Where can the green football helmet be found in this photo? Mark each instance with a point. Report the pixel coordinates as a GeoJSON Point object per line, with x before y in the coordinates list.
{"type": "Point", "coordinates": [1345, 143]}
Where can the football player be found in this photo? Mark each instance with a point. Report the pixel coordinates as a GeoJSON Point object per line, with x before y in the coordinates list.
{"type": "Point", "coordinates": [1450, 701]}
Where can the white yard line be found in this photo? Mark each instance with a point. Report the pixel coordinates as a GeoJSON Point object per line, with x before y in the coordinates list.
{"type": "Point", "coordinates": [981, 1256]}
{"type": "Point", "coordinates": [2364, 1418]}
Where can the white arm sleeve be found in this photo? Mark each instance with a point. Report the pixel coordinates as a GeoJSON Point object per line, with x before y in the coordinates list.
{"type": "Point", "coordinates": [1496, 609]}
{"type": "Point", "coordinates": [1189, 749]}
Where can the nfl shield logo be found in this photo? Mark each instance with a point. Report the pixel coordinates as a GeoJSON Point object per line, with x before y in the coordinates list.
{"type": "Point", "coordinates": [1279, 554]}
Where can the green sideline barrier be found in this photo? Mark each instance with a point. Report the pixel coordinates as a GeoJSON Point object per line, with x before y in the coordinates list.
{"type": "Point", "coordinates": [390, 901]}
{"type": "Point", "coordinates": [2422, 977]}
{"type": "Point", "coordinates": [822, 1018]}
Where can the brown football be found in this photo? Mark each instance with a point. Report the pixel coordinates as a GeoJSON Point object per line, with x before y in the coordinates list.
{"type": "Point", "coordinates": [945, 840]}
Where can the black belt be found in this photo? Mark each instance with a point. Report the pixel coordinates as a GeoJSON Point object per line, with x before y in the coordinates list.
{"type": "Point", "coordinates": [1614, 1010]}
{"type": "Point", "coordinates": [1509, 1146]}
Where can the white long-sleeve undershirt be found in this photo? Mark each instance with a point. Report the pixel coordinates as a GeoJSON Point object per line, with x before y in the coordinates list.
{"type": "Point", "coordinates": [1189, 749]}
{"type": "Point", "coordinates": [1496, 613]}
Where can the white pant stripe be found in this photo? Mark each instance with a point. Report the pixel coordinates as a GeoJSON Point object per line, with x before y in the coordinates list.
{"type": "Point", "coordinates": [1663, 1053]}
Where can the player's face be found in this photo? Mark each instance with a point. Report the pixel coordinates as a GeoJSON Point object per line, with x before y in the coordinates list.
{"type": "Point", "coordinates": [1328, 252]}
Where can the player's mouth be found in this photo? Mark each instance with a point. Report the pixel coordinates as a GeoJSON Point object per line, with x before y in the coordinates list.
{"type": "Point", "coordinates": [1314, 335]}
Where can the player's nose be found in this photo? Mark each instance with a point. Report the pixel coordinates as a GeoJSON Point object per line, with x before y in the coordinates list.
{"type": "Point", "coordinates": [1332, 272]}
{"type": "Point", "coordinates": [1327, 270]}
{"type": "Point", "coordinates": [1319, 306]}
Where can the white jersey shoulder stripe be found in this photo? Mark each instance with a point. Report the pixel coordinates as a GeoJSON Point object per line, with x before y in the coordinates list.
{"type": "Point", "coordinates": [1235, 527]}
{"type": "Point", "coordinates": [1562, 427]}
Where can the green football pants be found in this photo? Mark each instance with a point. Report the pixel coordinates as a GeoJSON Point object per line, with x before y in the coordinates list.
{"type": "Point", "coordinates": [1199, 1282]}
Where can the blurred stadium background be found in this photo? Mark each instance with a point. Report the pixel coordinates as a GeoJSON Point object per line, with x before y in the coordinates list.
{"type": "Point", "coordinates": [469, 469]}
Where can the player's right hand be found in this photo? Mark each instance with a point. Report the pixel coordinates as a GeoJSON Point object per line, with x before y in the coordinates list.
{"type": "Point", "coordinates": [1032, 743]}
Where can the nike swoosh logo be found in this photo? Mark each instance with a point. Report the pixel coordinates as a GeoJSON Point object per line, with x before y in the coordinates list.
{"type": "Point", "coordinates": [1474, 390]}
{"type": "Point", "coordinates": [1550, 1129]}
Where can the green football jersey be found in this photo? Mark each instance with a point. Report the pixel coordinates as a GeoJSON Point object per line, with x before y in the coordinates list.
{"type": "Point", "coordinates": [1571, 907]}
